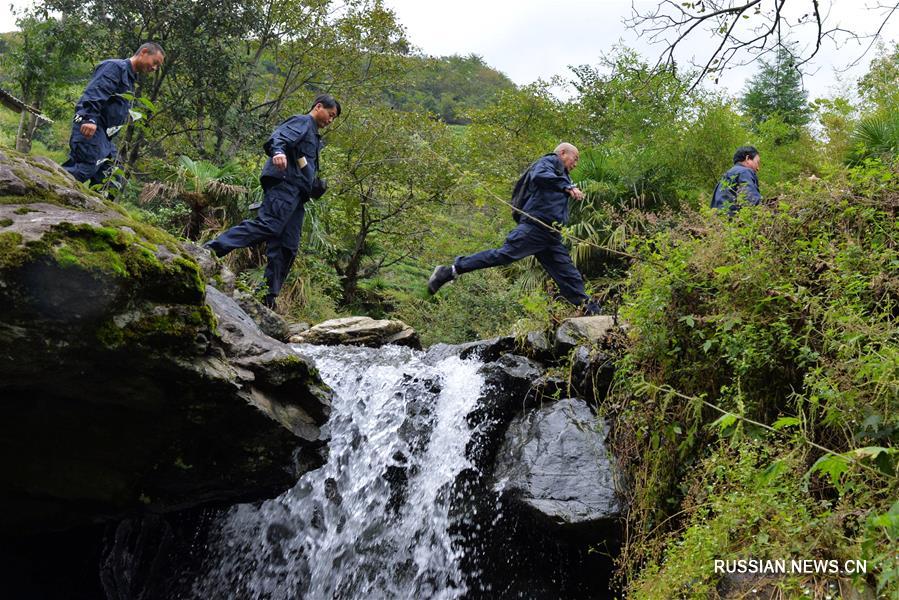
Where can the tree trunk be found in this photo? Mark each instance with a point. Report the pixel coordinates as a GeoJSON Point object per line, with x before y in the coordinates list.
{"type": "Point", "coordinates": [350, 273]}
{"type": "Point", "coordinates": [23, 135]}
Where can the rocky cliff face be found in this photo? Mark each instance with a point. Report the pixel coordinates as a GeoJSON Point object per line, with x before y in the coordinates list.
{"type": "Point", "coordinates": [128, 381]}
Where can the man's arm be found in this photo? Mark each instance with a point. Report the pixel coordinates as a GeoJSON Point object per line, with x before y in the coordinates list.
{"type": "Point", "coordinates": [287, 134]}
{"type": "Point", "coordinates": [748, 186]}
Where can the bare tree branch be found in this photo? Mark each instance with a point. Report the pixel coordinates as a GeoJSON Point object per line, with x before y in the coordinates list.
{"type": "Point", "coordinates": [747, 30]}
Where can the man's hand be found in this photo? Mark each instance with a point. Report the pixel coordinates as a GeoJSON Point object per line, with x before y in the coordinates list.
{"type": "Point", "coordinates": [576, 193]}
{"type": "Point", "coordinates": [280, 161]}
{"type": "Point", "coordinates": [88, 130]}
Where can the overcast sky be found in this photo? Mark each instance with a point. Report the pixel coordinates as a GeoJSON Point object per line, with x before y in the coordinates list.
{"type": "Point", "coordinates": [531, 39]}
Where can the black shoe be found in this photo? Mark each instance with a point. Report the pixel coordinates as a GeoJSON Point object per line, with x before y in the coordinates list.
{"type": "Point", "coordinates": [440, 277]}
{"type": "Point", "coordinates": [270, 301]}
{"type": "Point", "coordinates": [209, 246]}
{"type": "Point", "coordinates": [592, 309]}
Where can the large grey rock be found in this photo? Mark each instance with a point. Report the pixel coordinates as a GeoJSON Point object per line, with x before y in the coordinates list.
{"type": "Point", "coordinates": [268, 320]}
{"type": "Point", "coordinates": [359, 331]}
{"type": "Point", "coordinates": [128, 385]}
{"type": "Point", "coordinates": [583, 330]}
{"type": "Point", "coordinates": [555, 464]}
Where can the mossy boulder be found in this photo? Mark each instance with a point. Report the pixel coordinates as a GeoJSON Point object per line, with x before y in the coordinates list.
{"type": "Point", "coordinates": [127, 382]}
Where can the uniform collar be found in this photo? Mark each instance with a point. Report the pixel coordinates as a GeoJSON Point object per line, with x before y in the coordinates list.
{"type": "Point", "coordinates": [314, 125]}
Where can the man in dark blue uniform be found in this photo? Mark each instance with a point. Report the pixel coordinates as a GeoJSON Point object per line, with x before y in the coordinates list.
{"type": "Point", "coordinates": [102, 111]}
{"type": "Point", "coordinates": [741, 182]}
{"type": "Point", "coordinates": [289, 178]}
{"type": "Point", "coordinates": [548, 189]}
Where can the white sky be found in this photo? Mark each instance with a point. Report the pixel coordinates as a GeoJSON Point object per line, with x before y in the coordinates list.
{"type": "Point", "coordinates": [531, 39]}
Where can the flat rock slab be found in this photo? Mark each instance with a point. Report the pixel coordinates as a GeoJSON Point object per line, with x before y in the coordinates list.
{"type": "Point", "coordinates": [359, 331]}
{"type": "Point", "coordinates": [581, 330]}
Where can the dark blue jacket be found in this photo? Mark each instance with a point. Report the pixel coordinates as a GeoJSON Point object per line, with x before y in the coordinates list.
{"type": "Point", "coordinates": [738, 186]}
{"type": "Point", "coordinates": [547, 191]}
{"type": "Point", "coordinates": [297, 136]}
{"type": "Point", "coordinates": [102, 105]}
{"type": "Point", "coordinates": [100, 102]}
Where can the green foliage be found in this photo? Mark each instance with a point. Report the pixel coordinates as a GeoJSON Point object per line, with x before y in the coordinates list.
{"type": "Point", "coordinates": [878, 86]}
{"type": "Point", "coordinates": [836, 116]}
{"type": "Point", "coordinates": [776, 90]}
{"type": "Point", "coordinates": [876, 136]}
{"type": "Point", "coordinates": [449, 86]}
{"type": "Point", "coordinates": [784, 316]}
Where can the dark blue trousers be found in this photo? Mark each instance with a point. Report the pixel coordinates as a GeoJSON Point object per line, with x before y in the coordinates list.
{"type": "Point", "coordinates": [90, 160]}
{"type": "Point", "coordinates": [279, 224]}
{"type": "Point", "coordinates": [526, 240]}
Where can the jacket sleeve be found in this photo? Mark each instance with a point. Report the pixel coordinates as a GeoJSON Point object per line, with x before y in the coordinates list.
{"type": "Point", "coordinates": [103, 85]}
{"type": "Point", "coordinates": [545, 177]}
{"type": "Point", "coordinates": [748, 187]}
{"type": "Point", "coordinates": [288, 133]}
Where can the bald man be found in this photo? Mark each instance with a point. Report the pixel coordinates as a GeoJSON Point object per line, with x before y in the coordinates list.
{"type": "Point", "coordinates": [548, 188]}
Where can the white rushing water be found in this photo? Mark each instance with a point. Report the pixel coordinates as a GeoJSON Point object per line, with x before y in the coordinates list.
{"type": "Point", "coordinates": [374, 521]}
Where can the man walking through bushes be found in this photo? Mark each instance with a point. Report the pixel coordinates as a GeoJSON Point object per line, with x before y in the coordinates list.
{"type": "Point", "coordinates": [741, 182]}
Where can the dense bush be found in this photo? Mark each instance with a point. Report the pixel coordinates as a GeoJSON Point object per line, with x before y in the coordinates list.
{"type": "Point", "coordinates": [758, 342]}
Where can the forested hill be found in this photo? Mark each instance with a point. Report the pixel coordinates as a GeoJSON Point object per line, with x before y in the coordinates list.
{"type": "Point", "coordinates": [448, 86]}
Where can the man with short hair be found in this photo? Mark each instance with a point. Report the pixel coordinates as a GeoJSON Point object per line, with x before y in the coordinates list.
{"type": "Point", "coordinates": [740, 183]}
{"type": "Point", "coordinates": [548, 188]}
{"type": "Point", "coordinates": [289, 179]}
{"type": "Point", "coordinates": [102, 112]}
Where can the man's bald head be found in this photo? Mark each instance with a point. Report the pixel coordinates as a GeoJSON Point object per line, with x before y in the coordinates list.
{"type": "Point", "coordinates": [569, 155]}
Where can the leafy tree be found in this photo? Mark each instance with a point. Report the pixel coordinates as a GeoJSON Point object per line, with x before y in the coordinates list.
{"type": "Point", "coordinates": [449, 86]}
{"type": "Point", "coordinates": [44, 60]}
{"type": "Point", "coordinates": [777, 90]}
{"type": "Point", "coordinates": [388, 176]}
{"type": "Point", "coordinates": [837, 118]}
{"type": "Point", "coordinates": [234, 69]}
{"type": "Point", "coordinates": [878, 87]}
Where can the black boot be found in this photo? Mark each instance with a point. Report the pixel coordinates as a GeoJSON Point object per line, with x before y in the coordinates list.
{"type": "Point", "coordinates": [210, 245]}
{"type": "Point", "coordinates": [591, 309]}
{"type": "Point", "coordinates": [440, 277]}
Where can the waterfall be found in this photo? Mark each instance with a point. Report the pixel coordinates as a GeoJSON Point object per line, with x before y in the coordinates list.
{"type": "Point", "coordinates": [375, 520]}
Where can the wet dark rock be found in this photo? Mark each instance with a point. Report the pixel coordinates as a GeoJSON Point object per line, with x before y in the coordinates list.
{"type": "Point", "coordinates": [485, 350]}
{"type": "Point", "coordinates": [540, 345]}
{"type": "Point", "coordinates": [554, 463]}
{"type": "Point", "coordinates": [271, 323]}
{"type": "Point", "coordinates": [592, 372]}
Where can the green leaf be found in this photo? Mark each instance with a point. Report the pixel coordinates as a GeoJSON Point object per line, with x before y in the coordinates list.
{"type": "Point", "coordinates": [725, 421]}
{"type": "Point", "coordinates": [871, 452]}
{"type": "Point", "coordinates": [707, 346]}
{"type": "Point", "coordinates": [832, 465]}
{"type": "Point", "coordinates": [772, 472]}
{"type": "Point", "coordinates": [784, 422]}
